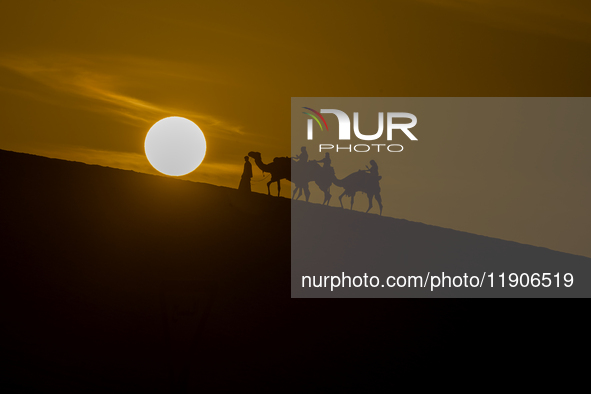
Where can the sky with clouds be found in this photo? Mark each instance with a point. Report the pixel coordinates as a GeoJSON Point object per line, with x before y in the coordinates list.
{"type": "Point", "coordinates": [85, 80]}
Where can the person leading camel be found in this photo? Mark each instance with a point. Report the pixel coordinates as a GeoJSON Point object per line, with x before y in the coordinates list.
{"type": "Point", "coordinates": [246, 176]}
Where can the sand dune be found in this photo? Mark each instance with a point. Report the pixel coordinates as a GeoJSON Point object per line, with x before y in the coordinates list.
{"type": "Point", "coordinates": [115, 281]}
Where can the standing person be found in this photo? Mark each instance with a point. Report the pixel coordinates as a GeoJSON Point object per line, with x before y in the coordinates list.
{"type": "Point", "coordinates": [246, 175]}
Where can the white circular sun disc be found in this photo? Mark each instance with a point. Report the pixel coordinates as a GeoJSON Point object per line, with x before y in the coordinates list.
{"type": "Point", "coordinates": [175, 146]}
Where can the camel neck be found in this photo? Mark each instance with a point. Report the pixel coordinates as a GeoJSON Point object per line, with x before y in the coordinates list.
{"type": "Point", "coordinates": [259, 162]}
{"type": "Point", "coordinates": [337, 181]}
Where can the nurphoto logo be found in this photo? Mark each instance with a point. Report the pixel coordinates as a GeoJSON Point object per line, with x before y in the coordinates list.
{"type": "Point", "coordinates": [344, 132]}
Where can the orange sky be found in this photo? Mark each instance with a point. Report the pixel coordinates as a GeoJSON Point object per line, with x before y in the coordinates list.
{"type": "Point", "coordinates": [84, 80]}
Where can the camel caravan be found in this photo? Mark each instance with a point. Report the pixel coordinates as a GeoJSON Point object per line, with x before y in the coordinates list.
{"type": "Point", "coordinates": [301, 172]}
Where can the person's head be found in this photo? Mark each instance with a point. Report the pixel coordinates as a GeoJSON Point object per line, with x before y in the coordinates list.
{"type": "Point", "coordinates": [303, 148]}
{"type": "Point", "coordinates": [246, 158]}
{"type": "Point", "coordinates": [327, 155]}
{"type": "Point", "coordinates": [372, 162]}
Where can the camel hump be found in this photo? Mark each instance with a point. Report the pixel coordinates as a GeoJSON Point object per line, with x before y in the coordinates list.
{"type": "Point", "coordinates": [356, 176]}
{"type": "Point", "coordinates": [282, 160]}
{"type": "Point", "coordinates": [363, 181]}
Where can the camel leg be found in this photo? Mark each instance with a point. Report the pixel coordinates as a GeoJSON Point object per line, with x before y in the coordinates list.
{"type": "Point", "coordinates": [307, 193]}
{"type": "Point", "coordinates": [370, 203]}
{"type": "Point", "coordinates": [269, 187]}
{"type": "Point", "coordinates": [279, 188]}
{"type": "Point", "coordinates": [327, 196]}
{"type": "Point", "coordinates": [379, 199]}
{"type": "Point", "coordinates": [341, 199]}
{"type": "Point", "coordinates": [294, 192]}
{"type": "Point", "coordinates": [352, 200]}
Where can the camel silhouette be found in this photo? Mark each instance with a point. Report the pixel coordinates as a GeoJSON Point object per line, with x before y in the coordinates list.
{"type": "Point", "coordinates": [305, 173]}
{"type": "Point", "coordinates": [360, 181]}
{"type": "Point", "coordinates": [279, 168]}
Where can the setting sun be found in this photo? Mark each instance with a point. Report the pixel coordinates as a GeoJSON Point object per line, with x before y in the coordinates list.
{"type": "Point", "coordinates": [175, 146]}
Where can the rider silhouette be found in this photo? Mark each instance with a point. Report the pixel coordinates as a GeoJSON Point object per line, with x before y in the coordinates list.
{"type": "Point", "coordinates": [326, 163]}
{"type": "Point", "coordinates": [373, 170]}
{"type": "Point", "coordinates": [302, 157]}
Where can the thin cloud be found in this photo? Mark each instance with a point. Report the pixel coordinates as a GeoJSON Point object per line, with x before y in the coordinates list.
{"type": "Point", "coordinates": [561, 19]}
{"type": "Point", "coordinates": [212, 172]}
{"type": "Point", "coordinates": [124, 160]}
{"type": "Point", "coordinates": [102, 82]}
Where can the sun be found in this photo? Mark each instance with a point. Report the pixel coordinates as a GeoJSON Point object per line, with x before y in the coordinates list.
{"type": "Point", "coordinates": [175, 146]}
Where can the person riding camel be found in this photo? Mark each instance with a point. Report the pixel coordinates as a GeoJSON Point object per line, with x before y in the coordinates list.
{"type": "Point", "coordinates": [373, 170]}
{"type": "Point", "coordinates": [302, 157]}
{"type": "Point", "coordinates": [326, 163]}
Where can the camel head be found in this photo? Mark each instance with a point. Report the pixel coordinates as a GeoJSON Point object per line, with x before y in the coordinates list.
{"type": "Point", "coordinates": [254, 155]}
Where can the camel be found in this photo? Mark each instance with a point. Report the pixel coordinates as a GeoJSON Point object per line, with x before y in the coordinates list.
{"type": "Point", "coordinates": [279, 168]}
{"type": "Point", "coordinates": [363, 182]}
{"type": "Point", "coordinates": [312, 172]}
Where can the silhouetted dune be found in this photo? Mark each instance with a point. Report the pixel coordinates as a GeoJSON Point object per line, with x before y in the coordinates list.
{"type": "Point", "coordinates": [332, 241]}
{"type": "Point", "coordinates": [115, 281]}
